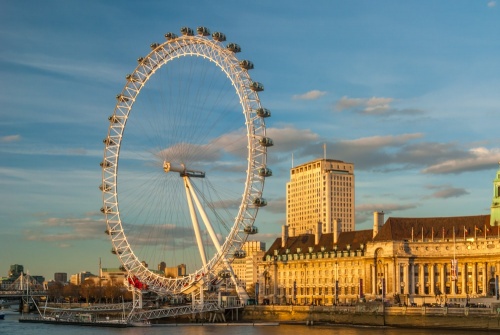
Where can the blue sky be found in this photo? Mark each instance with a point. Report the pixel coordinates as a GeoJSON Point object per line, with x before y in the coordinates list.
{"type": "Point", "coordinates": [405, 90]}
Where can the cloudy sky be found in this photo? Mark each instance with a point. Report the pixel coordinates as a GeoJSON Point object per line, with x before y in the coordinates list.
{"type": "Point", "coordinates": [405, 90]}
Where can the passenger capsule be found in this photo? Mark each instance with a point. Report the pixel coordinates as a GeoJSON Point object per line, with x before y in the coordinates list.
{"type": "Point", "coordinates": [233, 47]}
{"type": "Point", "coordinates": [224, 274]}
{"type": "Point", "coordinates": [256, 86]}
{"type": "Point", "coordinates": [260, 202]}
{"type": "Point", "coordinates": [116, 252]}
{"type": "Point", "coordinates": [263, 112]}
{"type": "Point", "coordinates": [108, 232]}
{"type": "Point", "coordinates": [203, 31]}
{"type": "Point", "coordinates": [143, 61]}
{"type": "Point", "coordinates": [170, 36]}
{"type": "Point", "coordinates": [265, 172]}
{"type": "Point", "coordinates": [239, 254]}
{"type": "Point", "coordinates": [121, 98]}
{"type": "Point", "coordinates": [153, 46]}
{"type": "Point", "coordinates": [219, 37]}
{"type": "Point", "coordinates": [114, 119]}
{"type": "Point", "coordinates": [105, 164]}
{"type": "Point", "coordinates": [131, 78]}
{"type": "Point", "coordinates": [266, 142]}
{"type": "Point", "coordinates": [251, 230]}
{"type": "Point", "coordinates": [105, 187]}
{"type": "Point", "coordinates": [246, 64]}
{"type": "Point", "coordinates": [186, 31]}
{"type": "Point", "coordinates": [106, 210]}
{"type": "Point", "coordinates": [108, 141]}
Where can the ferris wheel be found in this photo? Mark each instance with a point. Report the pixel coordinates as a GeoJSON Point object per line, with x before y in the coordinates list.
{"type": "Point", "coordinates": [185, 161]}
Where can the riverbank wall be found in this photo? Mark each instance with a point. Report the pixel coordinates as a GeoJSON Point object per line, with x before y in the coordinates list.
{"type": "Point", "coordinates": [375, 314]}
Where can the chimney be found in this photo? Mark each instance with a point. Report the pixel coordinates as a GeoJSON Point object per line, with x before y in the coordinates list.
{"type": "Point", "coordinates": [319, 230]}
{"type": "Point", "coordinates": [284, 235]}
{"type": "Point", "coordinates": [378, 222]}
{"type": "Point", "coordinates": [336, 230]}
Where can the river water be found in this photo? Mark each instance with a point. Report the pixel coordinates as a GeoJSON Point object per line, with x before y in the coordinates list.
{"type": "Point", "coordinates": [11, 325]}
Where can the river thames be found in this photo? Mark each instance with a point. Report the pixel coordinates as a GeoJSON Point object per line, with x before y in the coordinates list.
{"type": "Point", "coordinates": [11, 325]}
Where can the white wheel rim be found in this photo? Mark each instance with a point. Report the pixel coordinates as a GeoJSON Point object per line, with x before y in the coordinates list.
{"type": "Point", "coordinates": [118, 219]}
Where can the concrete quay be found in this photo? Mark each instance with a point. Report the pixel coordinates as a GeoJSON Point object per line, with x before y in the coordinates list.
{"type": "Point", "coordinates": [375, 314]}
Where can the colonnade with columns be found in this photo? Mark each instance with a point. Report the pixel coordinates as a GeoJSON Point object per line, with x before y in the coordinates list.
{"type": "Point", "coordinates": [415, 277]}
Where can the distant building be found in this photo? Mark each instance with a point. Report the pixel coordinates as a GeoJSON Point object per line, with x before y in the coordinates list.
{"type": "Point", "coordinates": [112, 276]}
{"type": "Point", "coordinates": [320, 191]}
{"type": "Point", "coordinates": [61, 277]}
{"type": "Point", "coordinates": [245, 268]}
{"type": "Point", "coordinates": [15, 271]}
{"type": "Point", "coordinates": [176, 271]}
{"type": "Point", "coordinates": [79, 278]}
{"type": "Point", "coordinates": [162, 266]}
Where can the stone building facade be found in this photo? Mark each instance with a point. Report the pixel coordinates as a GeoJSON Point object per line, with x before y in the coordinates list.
{"type": "Point", "coordinates": [440, 260]}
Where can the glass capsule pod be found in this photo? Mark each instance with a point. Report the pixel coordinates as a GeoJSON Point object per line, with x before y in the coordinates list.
{"type": "Point", "coordinates": [263, 112]}
{"type": "Point", "coordinates": [266, 142]}
{"type": "Point", "coordinates": [218, 36]}
{"type": "Point", "coordinates": [239, 254]}
{"type": "Point", "coordinates": [105, 187]}
{"type": "Point", "coordinates": [203, 31]}
{"type": "Point", "coordinates": [265, 172]}
{"type": "Point", "coordinates": [170, 36]}
{"type": "Point", "coordinates": [121, 98]}
{"type": "Point", "coordinates": [105, 164]}
{"type": "Point", "coordinates": [114, 119]}
{"type": "Point", "coordinates": [256, 86]}
{"type": "Point", "coordinates": [251, 230]}
{"type": "Point", "coordinates": [260, 202]}
{"type": "Point", "coordinates": [108, 141]}
{"type": "Point", "coordinates": [233, 47]}
{"type": "Point", "coordinates": [186, 31]}
{"type": "Point", "coordinates": [246, 64]}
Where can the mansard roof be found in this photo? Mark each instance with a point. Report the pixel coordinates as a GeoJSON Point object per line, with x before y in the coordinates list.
{"type": "Point", "coordinates": [436, 228]}
{"type": "Point", "coordinates": [306, 241]}
{"type": "Point", "coordinates": [394, 229]}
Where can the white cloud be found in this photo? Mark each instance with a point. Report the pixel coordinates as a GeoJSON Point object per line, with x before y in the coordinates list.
{"type": "Point", "coordinates": [492, 4]}
{"type": "Point", "coordinates": [311, 95]}
{"type": "Point", "coordinates": [373, 106]}
{"type": "Point", "coordinates": [289, 138]}
{"type": "Point", "coordinates": [446, 191]}
{"type": "Point", "coordinates": [10, 138]}
{"type": "Point", "coordinates": [383, 141]}
{"type": "Point", "coordinates": [478, 159]}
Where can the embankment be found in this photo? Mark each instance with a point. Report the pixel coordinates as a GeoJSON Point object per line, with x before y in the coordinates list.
{"type": "Point", "coordinates": [375, 314]}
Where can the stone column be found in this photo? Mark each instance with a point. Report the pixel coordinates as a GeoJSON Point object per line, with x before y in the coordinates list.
{"type": "Point", "coordinates": [421, 275]}
{"type": "Point", "coordinates": [464, 278]}
{"type": "Point", "coordinates": [441, 277]}
{"type": "Point", "coordinates": [485, 278]}
{"type": "Point", "coordinates": [406, 268]}
{"type": "Point", "coordinates": [453, 282]}
{"type": "Point", "coordinates": [474, 278]}
{"type": "Point", "coordinates": [411, 282]}
{"type": "Point", "coordinates": [432, 279]}
{"type": "Point", "coordinates": [374, 279]}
